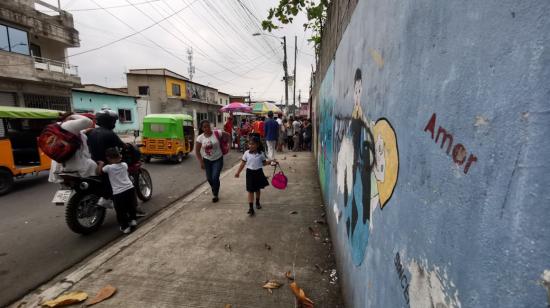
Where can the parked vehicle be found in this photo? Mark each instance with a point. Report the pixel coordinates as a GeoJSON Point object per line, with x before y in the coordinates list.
{"type": "Point", "coordinates": [83, 214]}
{"type": "Point", "coordinates": [19, 152]}
{"type": "Point", "coordinates": [168, 136]}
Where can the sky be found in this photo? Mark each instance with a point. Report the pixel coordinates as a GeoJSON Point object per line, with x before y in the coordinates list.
{"type": "Point", "coordinates": [226, 55]}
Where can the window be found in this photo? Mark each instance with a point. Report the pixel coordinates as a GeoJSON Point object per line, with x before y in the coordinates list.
{"type": "Point", "coordinates": [176, 90]}
{"type": "Point", "coordinates": [14, 40]}
{"type": "Point", "coordinates": [157, 128]}
{"type": "Point", "coordinates": [219, 118]}
{"type": "Point", "coordinates": [221, 103]}
{"type": "Point", "coordinates": [125, 115]}
{"type": "Point", "coordinates": [143, 90]}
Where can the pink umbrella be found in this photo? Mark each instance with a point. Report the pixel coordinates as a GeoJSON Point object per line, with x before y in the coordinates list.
{"type": "Point", "coordinates": [236, 107]}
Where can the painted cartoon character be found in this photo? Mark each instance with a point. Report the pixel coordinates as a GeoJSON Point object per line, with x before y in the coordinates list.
{"type": "Point", "coordinates": [366, 170]}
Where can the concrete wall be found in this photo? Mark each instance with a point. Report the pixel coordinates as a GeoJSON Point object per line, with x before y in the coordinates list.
{"type": "Point", "coordinates": [432, 124]}
{"type": "Point", "coordinates": [93, 102]}
{"type": "Point", "coordinates": [157, 88]}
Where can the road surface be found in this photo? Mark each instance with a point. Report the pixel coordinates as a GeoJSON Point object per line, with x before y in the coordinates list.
{"type": "Point", "coordinates": [36, 244]}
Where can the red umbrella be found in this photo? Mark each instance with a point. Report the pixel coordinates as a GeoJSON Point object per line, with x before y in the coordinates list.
{"type": "Point", "coordinates": [236, 107]}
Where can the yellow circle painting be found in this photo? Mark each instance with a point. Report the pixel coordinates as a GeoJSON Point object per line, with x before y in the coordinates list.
{"type": "Point", "coordinates": [386, 169]}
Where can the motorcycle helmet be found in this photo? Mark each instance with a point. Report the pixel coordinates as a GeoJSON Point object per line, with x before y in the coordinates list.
{"type": "Point", "coordinates": [106, 118]}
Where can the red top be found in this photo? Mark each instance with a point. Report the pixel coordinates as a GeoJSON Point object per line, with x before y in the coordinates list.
{"type": "Point", "coordinates": [228, 127]}
{"type": "Point", "coordinates": [259, 128]}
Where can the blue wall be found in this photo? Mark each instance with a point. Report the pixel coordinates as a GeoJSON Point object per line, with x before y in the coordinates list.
{"type": "Point", "coordinates": [95, 101]}
{"type": "Point", "coordinates": [435, 166]}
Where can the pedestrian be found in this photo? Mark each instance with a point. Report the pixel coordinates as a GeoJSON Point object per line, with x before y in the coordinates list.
{"type": "Point", "coordinates": [254, 159]}
{"type": "Point", "coordinates": [243, 134]}
{"type": "Point", "coordinates": [271, 135]}
{"type": "Point", "coordinates": [228, 127]}
{"type": "Point", "coordinates": [282, 135]}
{"type": "Point", "coordinates": [209, 153]}
{"type": "Point", "coordinates": [124, 193]}
{"type": "Point", "coordinates": [290, 134]}
{"type": "Point", "coordinates": [297, 126]}
{"type": "Point", "coordinates": [296, 142]}
{"type": "Point", "coordinates": [308, 133]}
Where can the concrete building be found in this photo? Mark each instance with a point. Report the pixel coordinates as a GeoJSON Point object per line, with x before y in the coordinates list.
{"type": "Point", "coordinates": [164, 91]}
{"type": "Point", "coordinates": [33, 51]}
{"type": "Point", "coordinates": [92, 98]}
{"type": "Point", "coordinates": [223, 100]}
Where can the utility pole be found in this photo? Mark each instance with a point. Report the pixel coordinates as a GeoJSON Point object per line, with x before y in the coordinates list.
{"type": "Point", "coordinates": [295, 56]}
{"type": "Point", "coordinates": [285, 66]}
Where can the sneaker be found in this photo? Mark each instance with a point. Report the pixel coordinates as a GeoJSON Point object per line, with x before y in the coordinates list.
{"type": "Point", "coordinates": [215, 199]}
{"type": "Point", "coordinates": [106, 203]}
{"type": "Point", "coordinates": [133, 223]}
{"type": "Point", "coordinates": [251, 212]}
{"type": "Point", "coordinates": [258, 206]}
{"type": "Point", "coordinates": [140, 213]}
{"type": "Point", "coordinates": [126, 231]}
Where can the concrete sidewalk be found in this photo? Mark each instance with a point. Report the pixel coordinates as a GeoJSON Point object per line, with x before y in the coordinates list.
{"type": "Point", "coordinates": [203, 254]}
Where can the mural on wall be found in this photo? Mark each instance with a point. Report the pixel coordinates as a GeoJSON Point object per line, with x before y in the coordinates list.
{"type": "Point", "coordinates": [363, 157]}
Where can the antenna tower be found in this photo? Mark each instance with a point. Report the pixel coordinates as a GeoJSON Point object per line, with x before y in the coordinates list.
{"type": "Point", "coordinates": [191, 69]}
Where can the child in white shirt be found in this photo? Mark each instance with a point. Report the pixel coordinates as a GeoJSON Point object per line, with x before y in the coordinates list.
{"type": "Point", "coordinates": [254, 159]}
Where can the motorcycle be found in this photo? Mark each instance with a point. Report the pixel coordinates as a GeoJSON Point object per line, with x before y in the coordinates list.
{"type": "Point", "coordinates": [83, 214]}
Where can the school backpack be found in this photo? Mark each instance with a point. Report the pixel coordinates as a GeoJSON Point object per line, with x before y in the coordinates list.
{"type": "Point", "coordinates": [224, 144]}
{"type": "Point", "coordinates": [58, 143]}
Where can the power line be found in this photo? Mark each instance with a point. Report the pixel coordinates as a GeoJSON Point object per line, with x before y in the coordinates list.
{"type": "Point", "coordinates": [107, 7]}
{"type": "Point", "coordinates": [136, 32]}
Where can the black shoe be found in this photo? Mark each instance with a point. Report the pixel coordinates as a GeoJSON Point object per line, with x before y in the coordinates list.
{"type": "Point", "coordinates": [258, 206]}
{"type": "Point", "coordinates": [215, 199]}
{"type": "Point", "coordinates": [251, 212]}
{"type": "Point", "coordinates": [140, 213]}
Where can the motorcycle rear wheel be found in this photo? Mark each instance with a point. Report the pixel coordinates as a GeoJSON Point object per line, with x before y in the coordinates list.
{"type": "Point", "coordinates": [144, 185]}
{"type": "Point", "coordinates": [83, 215]}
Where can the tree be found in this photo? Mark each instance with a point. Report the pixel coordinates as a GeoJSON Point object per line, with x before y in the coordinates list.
{"type": "Point", "coordinates": [286, 10]}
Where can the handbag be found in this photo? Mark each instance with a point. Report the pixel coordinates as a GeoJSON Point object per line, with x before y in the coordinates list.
{"type": "Point", "coordinates": [224, 145]}
{"type": "Point", "coordinates": [279, 179]}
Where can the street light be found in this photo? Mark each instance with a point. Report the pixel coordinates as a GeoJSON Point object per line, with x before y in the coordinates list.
{"type": "Point", "coordinates": [285, 66]}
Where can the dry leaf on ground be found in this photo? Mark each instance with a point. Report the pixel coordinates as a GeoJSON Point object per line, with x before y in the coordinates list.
{"type": "Point", "coordinates": [272, 284]}
{"type": "Point", "coordinates": [66, 299]}
{"type": "Point", "coordinates": [289, 275]}
{"type": "Point", "coordinates": [321, 222]}
{"type": "Point", "coordinates": [301, 296]}
{"type": "Point", "coordinates": [102, 295]}
{"type": "Point", "coordinates": [293, 212]}
{"type": "Point", "coordinates": [267, 246]}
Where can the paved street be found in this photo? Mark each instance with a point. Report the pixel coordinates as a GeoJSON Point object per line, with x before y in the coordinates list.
{"type": "Point", "coordinates": [35, 242]}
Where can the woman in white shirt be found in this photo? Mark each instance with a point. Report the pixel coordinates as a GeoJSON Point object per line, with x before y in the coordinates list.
{"type": "Point", "coordinates": [209, 153]}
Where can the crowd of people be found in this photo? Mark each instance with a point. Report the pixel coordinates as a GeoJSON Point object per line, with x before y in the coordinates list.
{"type": "Point", "coordinates": [292, 133]}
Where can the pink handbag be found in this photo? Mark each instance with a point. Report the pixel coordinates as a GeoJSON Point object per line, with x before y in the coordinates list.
{"type": "Point", "coordinates": [279, 179]}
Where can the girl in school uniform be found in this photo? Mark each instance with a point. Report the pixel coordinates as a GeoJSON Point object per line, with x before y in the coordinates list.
{"type": "Point", "coordinates": [254, 159]}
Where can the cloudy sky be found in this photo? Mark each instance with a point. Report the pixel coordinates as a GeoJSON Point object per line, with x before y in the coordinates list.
{"type": "Point", "coordinates": [225, 53]}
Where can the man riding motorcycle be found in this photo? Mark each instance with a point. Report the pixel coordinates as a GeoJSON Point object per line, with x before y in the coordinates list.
{"type": "Point", "coordinates": [102, 138]}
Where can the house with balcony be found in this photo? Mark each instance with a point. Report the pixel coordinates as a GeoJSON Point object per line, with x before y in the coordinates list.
{"type": "Point", "coordinates": [165, 91]}
{"type": "Point", "coordinates": [34, 70]}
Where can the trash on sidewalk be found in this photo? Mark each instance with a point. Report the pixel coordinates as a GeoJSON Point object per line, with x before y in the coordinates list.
{"type": "Point", "coordinates": [321, 270]}
{"type": "Point", "coordinates": [271, 284]}
{"type": "Point", "coordinates": [319, 221]}
{"type": "Point", "coordinates": [301, 296]}
{"type": "Point", "coordinates": [289, 275]}
{"type": "Point", "coordinates": [228, 247]}
{"type": "Point", "coordinates": [66, 299]}
{"type": "Point", "coordinates": [333, 277]}
{"type": "Point", "coordinates": [267, 246]}
{"type": "Point", "coordinates": [314, 233]}
{"type": "Point", "coordinates": [292, 212]}
{"type": "Point", "coordinates": [103, 294]}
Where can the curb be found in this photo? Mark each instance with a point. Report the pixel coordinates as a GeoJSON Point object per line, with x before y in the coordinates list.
{"type": "Point", "coordinates": [81, 271]}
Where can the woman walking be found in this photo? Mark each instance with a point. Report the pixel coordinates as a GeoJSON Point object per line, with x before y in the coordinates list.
{"type": "Point", "coordinates": [209, 153]}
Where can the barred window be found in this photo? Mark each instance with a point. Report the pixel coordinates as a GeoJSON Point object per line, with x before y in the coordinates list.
{"type": "Point", "coordinates": [47, 102]}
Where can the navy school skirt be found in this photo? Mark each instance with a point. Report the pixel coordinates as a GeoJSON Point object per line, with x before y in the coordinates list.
{"type": "Point", "coordinates": [255, 180]}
